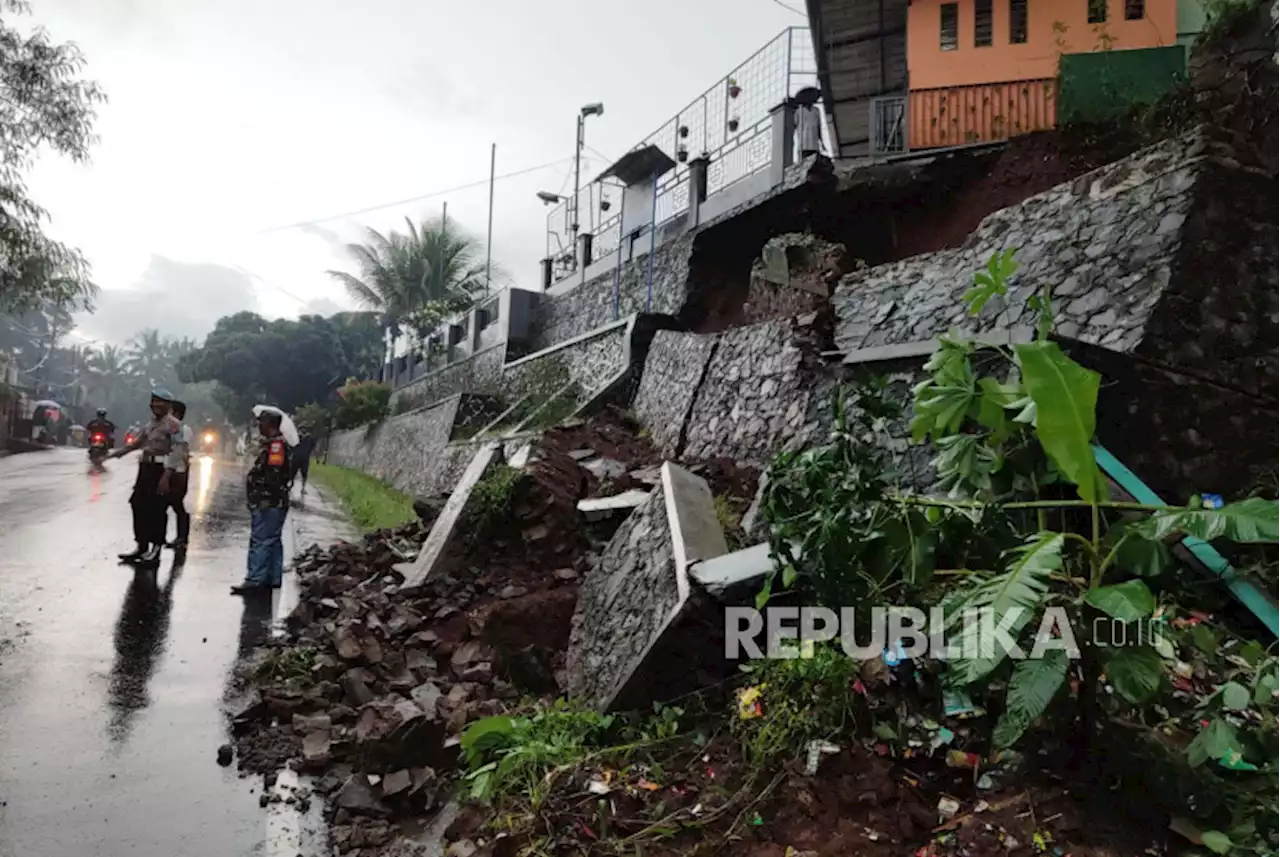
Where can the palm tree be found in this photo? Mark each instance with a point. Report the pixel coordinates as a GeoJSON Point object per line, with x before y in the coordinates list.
{"type": "Point", "coordinates": [148, 356]}
{"type": "Point", "coordinates": [434, 266]}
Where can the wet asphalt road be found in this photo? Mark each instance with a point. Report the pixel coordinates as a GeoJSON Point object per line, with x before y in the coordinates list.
{"type": "Point", "coordinates": [111, 680]}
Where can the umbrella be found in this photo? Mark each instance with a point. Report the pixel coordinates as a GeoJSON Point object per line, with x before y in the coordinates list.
{"type": "Point", "coordinates": [287, 427]}
{"type": "Point", "coordinates": [47, 403]}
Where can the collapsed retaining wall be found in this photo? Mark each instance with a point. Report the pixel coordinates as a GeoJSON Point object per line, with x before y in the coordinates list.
{"type": "Point", "coordinates": [741, 394]}
{"type": "Point", "coordinates": [1127, 253]}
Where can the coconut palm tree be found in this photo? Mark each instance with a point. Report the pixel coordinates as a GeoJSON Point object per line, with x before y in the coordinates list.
{"type": "Point", "coordinates": [148, 356]}
{"type": "Point", "coordinates": [434, 268]}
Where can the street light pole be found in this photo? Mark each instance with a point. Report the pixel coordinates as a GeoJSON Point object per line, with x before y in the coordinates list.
{"type": "Point", "coordinates": [577, 177]}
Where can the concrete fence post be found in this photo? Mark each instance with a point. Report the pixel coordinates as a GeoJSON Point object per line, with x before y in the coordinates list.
{"type": "Point", "coordinates": [697, 187]}
{"type": "Point", "coordinates": [782, 150]}
{"type": "Point", "coordinates": [546, 273]}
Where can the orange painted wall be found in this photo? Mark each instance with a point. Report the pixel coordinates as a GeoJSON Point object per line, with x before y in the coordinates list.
{"type": "Point", "coordinates": [979, 114]}
{"type": "Point", "coordinates": [930, 67]}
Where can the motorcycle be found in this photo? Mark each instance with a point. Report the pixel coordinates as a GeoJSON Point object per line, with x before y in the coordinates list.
{"type": "Point", "coordinates": [129, 438]}
{"type": "Point", "coordinates": [208, 442]}
{"type": "Point", "coordinates": [98, 449]}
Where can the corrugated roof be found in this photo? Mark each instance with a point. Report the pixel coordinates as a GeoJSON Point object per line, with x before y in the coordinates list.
{"type": "Point", "coordinates": [861, 48]}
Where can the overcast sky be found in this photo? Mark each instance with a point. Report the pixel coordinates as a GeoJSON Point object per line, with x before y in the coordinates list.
{"type": "Point", "coordinates": [233, 117]}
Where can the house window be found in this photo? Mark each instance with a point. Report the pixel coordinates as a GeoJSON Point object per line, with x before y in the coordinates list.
{"type": "Point", "coordinates": [950, 26]}
{"type": "Point", "coordinates": [1097, 11]}
{"type": "Point", "coordinates": [982, 23]}
{"type": "Point", "coordinates": [1017, 22]}
{"type": "Point", "coordinates": [1134, 10]}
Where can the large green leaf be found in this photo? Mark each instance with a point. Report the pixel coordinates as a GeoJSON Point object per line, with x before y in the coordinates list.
{"type": "Point", "coordinates": [1128, 601]}
{"type": "Point", "coordinates": [944, 400]}
{"type": "Point", "coordinates": [1031, 688]}
{"type": "Point", "coordinates": [1216, 841]}
{"type": "Point", "coordinates": [1139, 554]}
{"type": "Point", "coordinates": [1253, 520]}
{"type": "Point", "coordinates": [1235, 696]}
{"type": "Point", "coordinates": [1215, 741]}
{"type": "Point", "coordinates": [1135, 672]}
{"type": "Point", "coordinates": [992, 281]}
{"type": "Point", "coordinates": [1020, 587]}
{"type": "Point", "coordinates": [1066, 398]}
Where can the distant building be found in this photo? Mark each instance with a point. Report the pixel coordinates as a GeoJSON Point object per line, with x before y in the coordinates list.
{"type": "Point", "coordinates": [937, 73]}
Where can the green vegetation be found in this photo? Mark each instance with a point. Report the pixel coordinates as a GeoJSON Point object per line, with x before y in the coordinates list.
{"type": "Point", "coordinates": [1022, 522]}
{"type": "Point", "coordinates": [806, 698]}
{"type": "Point", "coordinates": [361, 403]}
{"type": "Point", "coordinates": [491, 500]}
{"type": "Point", "coordinates": [282, 664]}
{"type": "Point", "coordinates": [519, 757]}
{"type": "Point", "coordinates": [371, 503]}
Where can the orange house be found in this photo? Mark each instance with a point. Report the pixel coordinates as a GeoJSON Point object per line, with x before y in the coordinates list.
{"type": "Point", "coordinates": [986, 69]}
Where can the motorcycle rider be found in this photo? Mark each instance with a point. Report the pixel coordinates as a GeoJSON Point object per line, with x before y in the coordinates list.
{"type": "Point", "coordinates": [150, 490]}
{"type": "Point", "coordinates": [103, 426]}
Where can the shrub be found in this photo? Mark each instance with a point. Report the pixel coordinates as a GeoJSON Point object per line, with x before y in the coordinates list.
{"type": "Point", "coordinates": [361, 402]}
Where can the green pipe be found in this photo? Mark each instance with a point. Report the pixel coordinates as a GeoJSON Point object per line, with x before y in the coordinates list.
{"type": "Point", "coordinates": [1245, 591]}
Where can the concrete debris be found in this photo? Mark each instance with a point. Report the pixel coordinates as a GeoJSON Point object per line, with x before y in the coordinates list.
{"type": "Point", "coordinates": [225, 755]}
{"type": "Point", "coordinates": [604, 468]}
{"type": "Point", "coordinates": [445, 524]}
{"type": "Point", "coordinates": [599, 508]}
{"type": "Point", "coordinates": [395, 669]}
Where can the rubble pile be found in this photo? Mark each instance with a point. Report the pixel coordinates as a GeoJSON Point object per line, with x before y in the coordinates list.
{"type": "Point", "coordinates": [376, 679]}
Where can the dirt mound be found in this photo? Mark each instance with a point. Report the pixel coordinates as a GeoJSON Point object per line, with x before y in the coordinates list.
{"type": "Point", "coordinates": [1028, 165]}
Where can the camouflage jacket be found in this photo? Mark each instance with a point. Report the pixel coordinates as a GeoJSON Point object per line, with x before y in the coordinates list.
{"type": "Point", "coordinates": [267, 485]}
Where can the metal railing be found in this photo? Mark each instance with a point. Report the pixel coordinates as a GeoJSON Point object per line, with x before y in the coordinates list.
{"type": "Point", "coordinates": [729, 122]}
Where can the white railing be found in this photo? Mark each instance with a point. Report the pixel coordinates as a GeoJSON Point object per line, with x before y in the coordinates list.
{"type": "Point", "coordinates": [729, 123]}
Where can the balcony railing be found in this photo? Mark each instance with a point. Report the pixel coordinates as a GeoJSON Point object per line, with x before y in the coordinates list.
{"type": "Point", "coordinates": [729, 123]}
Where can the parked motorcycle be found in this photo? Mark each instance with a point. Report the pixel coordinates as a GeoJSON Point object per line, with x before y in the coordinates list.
{"type": "Point", "coordinates": [98, 449]}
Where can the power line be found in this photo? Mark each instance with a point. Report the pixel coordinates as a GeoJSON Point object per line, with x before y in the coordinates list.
{"type": "Point", "coordinates": [385, 205]}
{"type": "Point", "coordinates": [791, 9]}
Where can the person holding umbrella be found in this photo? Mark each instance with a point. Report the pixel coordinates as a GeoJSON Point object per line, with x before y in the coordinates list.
{"type": "Point", "coordinates": [267, 492]}
{"type": "Point", "coordinates": [151, 488]}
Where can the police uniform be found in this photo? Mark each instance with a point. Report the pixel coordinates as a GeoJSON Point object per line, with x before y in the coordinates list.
{"type": "Point", "coordinates": [155, 443]}
{"type": "Point", "coordinates": [267, 492]}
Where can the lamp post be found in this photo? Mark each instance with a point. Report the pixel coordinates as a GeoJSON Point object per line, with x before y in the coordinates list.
{"type": "Point", "coordinates": [596, 109]}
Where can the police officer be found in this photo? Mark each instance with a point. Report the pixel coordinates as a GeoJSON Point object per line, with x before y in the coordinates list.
{"type": "Point", "coordinates": [151, 487]}
{"type": "Point", "coordinates": [267, 491]}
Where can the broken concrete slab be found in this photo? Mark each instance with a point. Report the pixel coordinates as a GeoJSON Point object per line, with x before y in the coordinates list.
{"type": "Point", "coordinates": [696, 533]}
{"type": "Point", "coordinates": [521, 457]}
{"type": "Point", "coordinates": [639, 586]}
{"type": "Point", "coordinates": [604, 469]}
{"type": "Point", "coordinates": [445, 524]}
{"type": "Point", "coordinates": [599, 508]}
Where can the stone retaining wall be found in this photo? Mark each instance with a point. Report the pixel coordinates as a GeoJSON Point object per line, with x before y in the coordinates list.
{"type": "Point", "coordinates": [1140, 256]}
{"type": "Point", "coordinates": [1103, 244]}
{"type": "Point", "coordinates": [479, 373]}
{"type": "Point", "coordinates": [743, 393]}
{"type": "Point", "coordinates": [401, 450]}
{"type": "Point", "coordinates": [596, 302]}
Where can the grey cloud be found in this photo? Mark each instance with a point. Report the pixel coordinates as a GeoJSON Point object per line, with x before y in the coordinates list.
{"type": "Point", "coordinates": [177, 298]}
